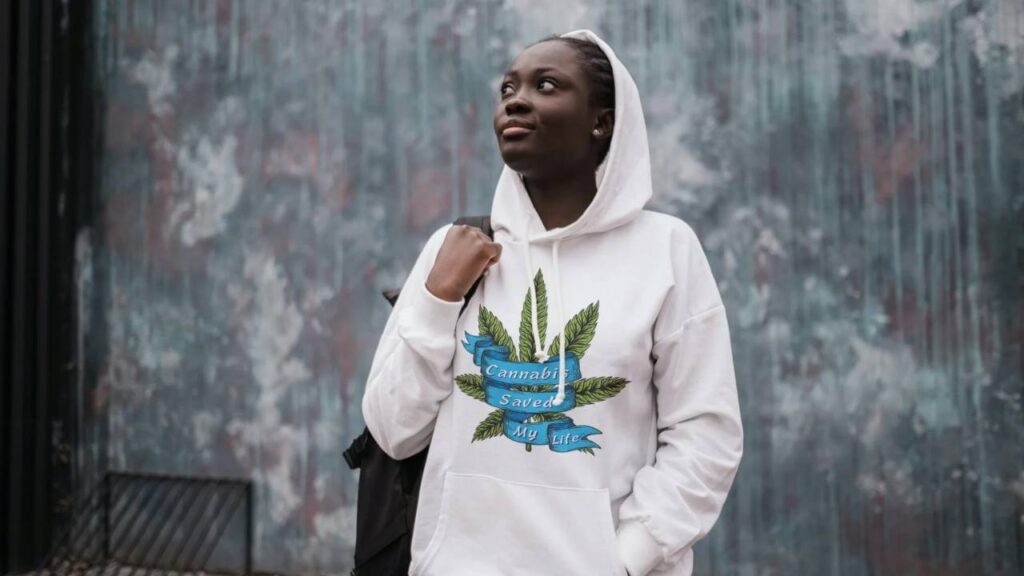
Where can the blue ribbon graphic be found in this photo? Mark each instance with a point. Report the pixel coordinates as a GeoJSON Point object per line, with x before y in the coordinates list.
{"type": "Point", "coordinates": [501, 374]}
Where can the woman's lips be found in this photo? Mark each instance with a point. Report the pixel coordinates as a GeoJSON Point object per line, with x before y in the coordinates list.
{"type": "Point", "coordinates": [515, 132]}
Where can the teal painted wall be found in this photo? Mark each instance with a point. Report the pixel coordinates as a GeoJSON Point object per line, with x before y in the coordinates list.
{"type": "Point", "coordinates": [854, 168]}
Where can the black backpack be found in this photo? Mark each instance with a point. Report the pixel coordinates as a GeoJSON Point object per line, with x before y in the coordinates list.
{"type": "Point", "coordinates": [389, 488]}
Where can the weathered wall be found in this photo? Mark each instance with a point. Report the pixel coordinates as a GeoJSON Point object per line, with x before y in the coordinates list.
{"type": "Point", "coordinates": [853, 167]}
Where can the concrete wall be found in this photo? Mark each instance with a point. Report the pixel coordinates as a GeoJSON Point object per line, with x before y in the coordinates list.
{"type": "Point", "coordinates": [853, 168]}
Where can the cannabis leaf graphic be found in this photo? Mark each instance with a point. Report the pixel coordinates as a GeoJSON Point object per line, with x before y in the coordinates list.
{"type": "Point", "coordinates": [578, 332]}
{"type": "Point", "coordinates": [491, 426]}
{"type": "Point", "coordinates": [535, 387]}
{"type": "Point", "coordinates": [472, 385]}
{"type": "Point", "coordinates": [491, 326]}
{"type": "Point", "coordinates": [527, 348]}
{"type": "Point", "coordinates": [544, 417]}
{"type": "Point", "coordinates": [593, 390]}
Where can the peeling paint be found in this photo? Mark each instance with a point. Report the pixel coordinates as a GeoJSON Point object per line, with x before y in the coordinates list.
{"type": "Point", "coordinates": [852, 170]}
{"type": "Point", "coordinates": [210, 173]}
{"type": "Point", "coordinates": [156, 73]}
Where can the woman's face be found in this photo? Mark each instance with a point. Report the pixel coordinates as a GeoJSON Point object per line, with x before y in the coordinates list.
{"type": "Point", "coordinates": [543, 120]}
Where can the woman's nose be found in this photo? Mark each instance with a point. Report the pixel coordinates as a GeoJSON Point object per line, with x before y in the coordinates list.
{"type": "Point", "coordinates": [516, 104]}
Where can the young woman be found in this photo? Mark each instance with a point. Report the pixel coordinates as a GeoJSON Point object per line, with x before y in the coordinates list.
{"type": "Point", "coordinates": [581, 413]}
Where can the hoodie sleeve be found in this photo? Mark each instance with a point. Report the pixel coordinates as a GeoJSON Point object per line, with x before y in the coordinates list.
{"type": "Point", "coordinates": [676, 500]}
{"type": "Point", "coordinates": [411, 371]}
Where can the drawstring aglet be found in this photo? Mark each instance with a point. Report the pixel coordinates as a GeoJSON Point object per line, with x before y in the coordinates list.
{"type": "Point", "coordinates": [559, 397]}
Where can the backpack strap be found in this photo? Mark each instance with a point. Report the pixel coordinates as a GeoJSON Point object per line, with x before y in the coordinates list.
{"type": "Point", "coordinates": [481, 222]}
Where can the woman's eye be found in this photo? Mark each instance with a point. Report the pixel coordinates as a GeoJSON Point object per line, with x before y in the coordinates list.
{"type": "Point", "coordinates": [540, 86]}
{"type": "Point", "coordinates": [505, 89]}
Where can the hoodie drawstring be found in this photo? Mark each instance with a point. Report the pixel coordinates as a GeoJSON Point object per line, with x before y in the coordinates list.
{"type": "Point", "coordinates": [560, 319]}
{"type": "Point", "coordinates": [540, 354]}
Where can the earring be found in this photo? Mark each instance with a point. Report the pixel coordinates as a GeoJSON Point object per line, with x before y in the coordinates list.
{"type": "Point", "coordinates": [597, 132]}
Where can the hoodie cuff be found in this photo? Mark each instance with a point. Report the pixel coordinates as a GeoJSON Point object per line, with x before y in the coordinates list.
{"type": "Point", "coordinates": [639, 551]}
{"type": "Point", "coordinates": [428, 317]}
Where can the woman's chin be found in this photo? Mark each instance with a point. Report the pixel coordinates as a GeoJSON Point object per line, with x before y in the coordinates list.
{"type": "Point", "coordinates": [518, 159]}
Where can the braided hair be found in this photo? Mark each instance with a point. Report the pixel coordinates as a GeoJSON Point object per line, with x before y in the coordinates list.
{"type": "Point", "coordinates": [598, 71]}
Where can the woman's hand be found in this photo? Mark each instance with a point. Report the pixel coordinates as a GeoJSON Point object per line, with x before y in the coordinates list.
{"type": "Point", "coordinates": [465, 254]}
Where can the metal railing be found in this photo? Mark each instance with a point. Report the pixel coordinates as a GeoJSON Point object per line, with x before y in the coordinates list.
{"type": "Point", "coordinates": [137, 523]}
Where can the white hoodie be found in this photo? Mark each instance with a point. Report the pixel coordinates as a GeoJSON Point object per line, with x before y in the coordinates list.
{"type": "Point", "coordinates": [616, 454]}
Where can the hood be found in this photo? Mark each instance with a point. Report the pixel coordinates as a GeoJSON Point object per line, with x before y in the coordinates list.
{"type": "Point", "coordinates": [623, 178]}
{"type": "Point", "coordinates": [623, 189]}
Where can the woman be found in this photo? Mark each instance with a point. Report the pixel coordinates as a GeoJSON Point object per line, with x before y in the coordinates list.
{"type": "Point", "coordinates": [598, 431]}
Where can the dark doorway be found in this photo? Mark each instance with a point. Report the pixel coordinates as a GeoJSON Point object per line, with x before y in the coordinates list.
{"type": "Point", "coordinates": [45, 159]}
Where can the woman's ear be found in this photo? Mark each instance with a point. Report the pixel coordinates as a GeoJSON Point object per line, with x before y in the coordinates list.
{"type": "Point", "coordinates": [603, 124]}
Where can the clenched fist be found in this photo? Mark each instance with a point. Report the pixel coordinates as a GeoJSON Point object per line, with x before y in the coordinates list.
{"type": "Point", "coordinates": [465, 254]}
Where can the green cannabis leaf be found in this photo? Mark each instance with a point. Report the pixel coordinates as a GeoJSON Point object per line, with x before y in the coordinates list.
{"type": "Point", "coordinates": [491, 326]}
{"type": "Point", "coordinates": [587, 450]}
{"type": "Point", "coordinates": [578, 332]}
{"type": "Point", "coordinates": [533, 387]}
{"type": "Point", "coordinates": [545, 417]}
{"type": "Point", "coordinates": [526, 343]}
{"type": "Point", "coordinates": [472, 385]}
{"type": "Point", "coordinates": [593, 390]}
{"type": "Point", "coordinates": [491, 426]}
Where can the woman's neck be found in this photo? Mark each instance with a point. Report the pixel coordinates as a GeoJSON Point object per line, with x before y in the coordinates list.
{"type": "Point", "coordinates": [560, 201]}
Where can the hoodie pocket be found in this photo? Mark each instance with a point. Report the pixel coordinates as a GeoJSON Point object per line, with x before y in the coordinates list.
{"type": "Point", "coordinates": [488, 526]}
